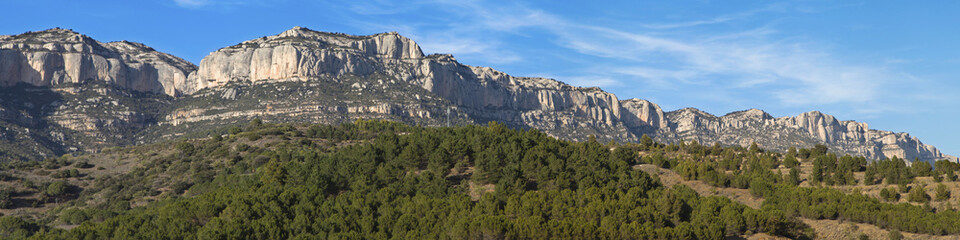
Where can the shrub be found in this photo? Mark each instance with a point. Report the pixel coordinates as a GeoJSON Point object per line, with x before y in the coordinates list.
{"type": "Point", "coordinates": [918, 195]}
{"type": "Point", "coordinates": [83, 164]}
{"type": "Point", "coordinates": [895, 235]}
{"type": "Point", "coordinates": [186, 148]}
{"type": "Point", "coordinates": [942, 193]}
{"type": "Point", "coordinates": [889, 195]}
{"type": "Point", "coordinates": [73, 216]}
{"type": "Point", "coordinates": [790, 161]}
{"type": "Point", "coordinates": [6, 198]}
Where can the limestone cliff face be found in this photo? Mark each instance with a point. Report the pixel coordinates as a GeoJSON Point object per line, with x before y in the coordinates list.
{"type": "Point", "coordinates": [486, 94]}
{"type": "Point", "coordinates": [302, 53]}
{"type": "Point", "coordinates": [859, 139]}
{"type": "Point", "coordinates": [570, 112]}
{"type": "Point", "coordinates": [61, 91]}
{"type": "Point", "coordinates": [643, 114]}
{"type": "Point", "coordinates": [806, 129]}
{"type": "Point", "coordinates": [58, 56]}
{"type": "Point", "coordinates": [301, 75]}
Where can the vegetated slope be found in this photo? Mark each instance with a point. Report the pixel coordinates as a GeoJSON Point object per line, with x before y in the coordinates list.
{"type": "Point", "coordinates": [824, 228]}
{"type": "Point", "coordinates": [260, 180]}
{"type": "Point", "coordinates": [763, 174]}
{"type": "Point", "coordinates": [393, 180]}
{"type": "Point", "coordinates": [43, 122]}
{"type": "Point", "coordinates": [330, 101]}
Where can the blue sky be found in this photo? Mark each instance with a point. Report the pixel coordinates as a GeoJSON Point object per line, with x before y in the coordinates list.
{"type": "Point", "coordinates": [892, 64]}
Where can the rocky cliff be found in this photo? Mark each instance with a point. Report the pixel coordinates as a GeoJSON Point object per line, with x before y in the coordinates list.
{"type": "Point", "coordinates": [301, 54]}
{"type": "Point", "coordinates": [806, 129]}
{"type": "Point", "coordinates": [58, 56]}
{"type": "Point", "coordinates": [61, 91]}
{"type": "Point", "coordinates": [301, 75]}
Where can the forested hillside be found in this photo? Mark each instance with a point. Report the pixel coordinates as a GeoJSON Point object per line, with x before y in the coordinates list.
{"type": "Point", "coordinates": [378, 179]}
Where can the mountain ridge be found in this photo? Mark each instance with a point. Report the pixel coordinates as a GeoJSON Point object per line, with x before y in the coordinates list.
{"type": "Point", "coordinates": [388, 67]}
{"type": "Point", "coordinates": [57, 56]}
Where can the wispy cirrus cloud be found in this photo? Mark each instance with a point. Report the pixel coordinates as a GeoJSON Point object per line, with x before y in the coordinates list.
{"type": "Point", "coordinates": [714, 20]}
{"type": "Point", "coordinates": [198, 4]}
{"type": "Point", "coordinates": [451, 32]}
{"type": "Point", "coordinates": [756, 60]}
{"type": "Point", "coordinates": [191, 3]}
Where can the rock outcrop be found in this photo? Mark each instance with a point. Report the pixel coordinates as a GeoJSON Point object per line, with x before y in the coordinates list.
{"type": "Point", "coordinates": [302, 75]}
{"type": "Point", "coordinates": [549, 105]}
{"type": "Point", "coordinates": [485, 94]}
{"type": "Point", "coordinates": [59, 56]}
{"type": "Point", "coordinates": [643, 114]}
{"type": "Point", "coordinates": [804, 130]}
{"type": "Point", "coordinates": [300, 53]}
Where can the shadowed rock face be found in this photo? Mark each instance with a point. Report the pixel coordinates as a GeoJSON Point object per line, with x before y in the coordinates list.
{"type": "Point", "coordinates": [338, 77]}
{"type": "Point", "coordinates": [58, 56]}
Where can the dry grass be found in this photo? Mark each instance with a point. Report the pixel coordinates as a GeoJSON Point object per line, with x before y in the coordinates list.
{"type": "Point", "coordinates": [107, 163]}
{"type": "Point", "coordinates": [763, 236]}
{"type": "Point", "coordinates": [834, 229]}
{"type": "Point", "coordinates": [825, 229]}
{"type": "Point", "coordinates": [670, 178]}
{"type": "Point", "coordinates": [477, 190]}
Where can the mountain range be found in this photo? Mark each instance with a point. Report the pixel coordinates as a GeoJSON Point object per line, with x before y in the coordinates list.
{"type": "Point", "coordinates": [64, 92]}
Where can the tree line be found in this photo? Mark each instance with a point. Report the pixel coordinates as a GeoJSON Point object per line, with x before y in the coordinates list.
{"type": "Point", "coordinates": [398, 181]}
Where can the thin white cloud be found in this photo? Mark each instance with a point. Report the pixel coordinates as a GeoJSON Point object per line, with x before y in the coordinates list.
{"type": "Point", "coordinates": [716, 20]}
{"type": "Point", "coordinates": [191, 3]}
{"type": "Point", "coordinates": [198, 4]}
{"type": "Point", "coordinates": [456, 42]}
{"type": "Point", "coordinates": [688, 24]}
{"type": "Point", "coordinates": [489, 51]}
{"type": "Point", "coordinates": [809, 75]}
{"type": "Point", "coordinates": [655, 77]}
{"type": "Point", "coordinates": [472, 36]}
{"type": "Point", "coordinates": [785, 69]}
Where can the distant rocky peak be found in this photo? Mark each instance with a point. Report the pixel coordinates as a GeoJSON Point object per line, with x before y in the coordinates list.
{"type": "Point", "coordinates": [130, 46]}
{"type": "Point", "coordinates": [753, 113]}
{"type": "Point", "coordinates": [297, 30]}
{"type": "Point", "coordinates": [694, 112]}
{"type": "Point", "coordinates": [58, 56]}
{"type": "Point", "coordinates": [643, 113]}
{"type": "Point", "coordinates": [389, 45]}
{"type": "Point", "coordinates": [306, 33]}
{"type": "Point", "coordinates": [59, 30]}
{"type": "Point", "coordinates": [446, 57]}
{"type": "Point", "coordinates": [53, 35]}
{"type": "Point", "coordinates": [638, 101]}
{"type": "Point", "coordinates": [815, 114]}
{"type": "Point", "coordinates": [392, 45]}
